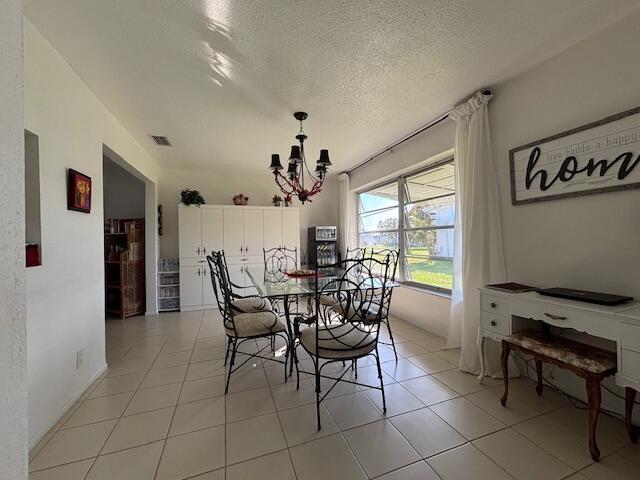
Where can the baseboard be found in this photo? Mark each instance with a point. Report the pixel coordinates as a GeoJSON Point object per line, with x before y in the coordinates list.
{"type": "Point", "coordinates": [198, 307]}
{"type": "Point", "coordinates": [65, 409]}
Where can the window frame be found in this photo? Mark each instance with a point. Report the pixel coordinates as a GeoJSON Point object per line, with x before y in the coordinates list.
{"type": "Point", "coordinates": [402, 240]}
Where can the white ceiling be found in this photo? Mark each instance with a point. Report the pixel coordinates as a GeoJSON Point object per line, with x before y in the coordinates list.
{"type": "Point", "coordinates": [222, 78]}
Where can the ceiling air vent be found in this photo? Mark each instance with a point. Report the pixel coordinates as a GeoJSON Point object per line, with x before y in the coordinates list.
{"type": "Point", "coordinates": [160, 140]}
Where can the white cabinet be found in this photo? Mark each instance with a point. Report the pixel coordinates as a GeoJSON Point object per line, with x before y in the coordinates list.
{"type": "Point", "coordinates": [242, 232]}
{"type": "Point", "coordinates": [199, 230]}
{"type": "Point", "coordinates": [253, 232]}
{"type": "Point", "coordinates": [208, 295]}
{"type": "Point", "coordinates": [189, 231]}
{"type": "Point", "coordinates": [211, 230]}
{"type": "Point", "coordinates": [273, 229]}
{"type": "Point", "coordinates": [190, 286]}
{"type": "Point", "coordinates": [291, 229]}
{"type": "Point", "coordinates": [233, 232]}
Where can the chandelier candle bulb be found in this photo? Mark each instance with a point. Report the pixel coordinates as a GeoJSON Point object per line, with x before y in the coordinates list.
{"type": "Point", "coordinates": [294, 182]}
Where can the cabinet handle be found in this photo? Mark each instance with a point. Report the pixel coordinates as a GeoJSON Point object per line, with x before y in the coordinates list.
{"type": "Point", "coordinates": [555, 317]}
{"type": "Point", "coordinates": [492, 305]}
{"type": "Point", "coordinates": [493, 323]}
{"type": "Point", "coordinates": [246, 249]}
{"type": "Point", "coordinates": [241, 249]}
{"type": "Point", "coordinates": [198, 250]}
{"type": "Point", "coordinates": [204, 250]}
{"type": "Point", "coordinates": [199, 272]}
{"type": "Point", "coordinates": [204, 272]}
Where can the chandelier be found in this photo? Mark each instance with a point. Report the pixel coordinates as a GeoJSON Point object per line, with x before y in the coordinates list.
{"type": "Point", "coordinates": [299, 180]}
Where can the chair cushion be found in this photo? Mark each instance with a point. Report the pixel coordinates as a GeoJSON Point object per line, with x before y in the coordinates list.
{"type": "Point", "coordinates": [351, 342]}
{"type": "Point", "coordinates": [328, 300]}
{"type": "Point", "coordinates": [255, 324]}
{"type": "Point", "coordinates": [252, 304]}
{"type": "Point", "coordinates": [579, 355]}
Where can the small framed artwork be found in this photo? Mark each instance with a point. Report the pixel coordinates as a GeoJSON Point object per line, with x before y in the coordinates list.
{"type": "Point", "coordinates": [79, 192]}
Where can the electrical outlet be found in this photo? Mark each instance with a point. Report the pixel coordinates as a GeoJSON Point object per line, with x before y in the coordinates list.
{"type": "Point", "coordinates": [79, 359]}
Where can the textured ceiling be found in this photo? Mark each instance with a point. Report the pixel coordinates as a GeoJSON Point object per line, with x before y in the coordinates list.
{"type": "Point", "coordinates": [222, 78]}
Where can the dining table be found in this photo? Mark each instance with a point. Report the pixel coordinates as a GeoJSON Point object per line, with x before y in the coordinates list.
{"type": "Point", "coordinates": [292, 288]}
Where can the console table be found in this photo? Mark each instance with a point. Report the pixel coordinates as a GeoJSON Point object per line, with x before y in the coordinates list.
{"type": "Point", "coordinates": [505, 313]}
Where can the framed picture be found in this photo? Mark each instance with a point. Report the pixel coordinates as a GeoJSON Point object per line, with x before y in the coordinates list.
{"type": "Point", "coordinates": [599, 157]}
{"type": "Point", "coordinates": [78, 192]}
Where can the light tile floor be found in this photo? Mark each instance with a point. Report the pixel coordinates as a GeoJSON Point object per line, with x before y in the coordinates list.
{"type": "Point", "coordinates": [159, 412]}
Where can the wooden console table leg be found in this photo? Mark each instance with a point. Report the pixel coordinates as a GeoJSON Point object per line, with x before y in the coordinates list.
{"type": "Point", "coordinates": [630, 398]}
{"type": "Point", "coordinates": [593, 397]}
{"type": "Point", "coordinates": [504, 360]}
{"type": "Point", "coordinates": [480, 345]}
{"type": "Point", "coordinates": [539, 372]}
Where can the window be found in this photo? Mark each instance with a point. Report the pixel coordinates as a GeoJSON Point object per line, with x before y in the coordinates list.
{"type": "Point", "coordinates": [415, 214]}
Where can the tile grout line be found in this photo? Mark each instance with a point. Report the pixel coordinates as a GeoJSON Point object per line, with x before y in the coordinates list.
{"type": "Point", "coordinates": [286, 370]}
{"type": "Point", "coordinates": [122, 415]}
{"type": "Point", "coordinates": [175, 407]}
{"type": "Point", "coordinates": [52, 432]}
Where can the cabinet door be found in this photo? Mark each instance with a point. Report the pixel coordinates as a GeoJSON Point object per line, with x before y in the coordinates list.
{"type": "Point", "coordinates": [236, 274]}
{"type": "Point", "coordinates": [291, 229]}
{"type": "Point", "coordinates": [233, 232]}
{"type": "Point", "coordinates": [189, 231]}
{"type": "Point", "coordinates": [272, 229]}
{"type": "Point", "coordinates": [190, 286]}
{"type": "Point", "coordinates": [253, 231]}
{"type": "Point", "coordinates": [208, 295]}
{"type": "Point", "coordinates": [211, 230]}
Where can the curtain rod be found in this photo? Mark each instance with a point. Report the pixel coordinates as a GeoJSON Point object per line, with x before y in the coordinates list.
{"type": "Point", "coordinates": [408, 137]}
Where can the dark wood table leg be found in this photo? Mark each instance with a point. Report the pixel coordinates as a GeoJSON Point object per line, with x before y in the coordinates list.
{"type": "Point", "coordinates": [629, 399]}
{"type": "Point", "coordinates": [504, 360]}
{"type": "Point", "coordinates": [593, 398]}
{"type": "Point", "coordinates": [539, 372]}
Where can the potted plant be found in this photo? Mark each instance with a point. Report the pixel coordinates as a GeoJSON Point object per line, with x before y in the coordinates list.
{"type": "Point", "coordinates": [240, 199]}
{"type": "Point", "coordinates": [191, 197]}
{"type": "Point", "coordinates": [277, 201]}
{"type": "Point", "coordinates": [288, 201]}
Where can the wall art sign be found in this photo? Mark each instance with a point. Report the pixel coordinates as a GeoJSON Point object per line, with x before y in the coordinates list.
{"type": "Point", "coordinates": [599, 157]}
{"type": "Point", "coordinates": [78, 192]}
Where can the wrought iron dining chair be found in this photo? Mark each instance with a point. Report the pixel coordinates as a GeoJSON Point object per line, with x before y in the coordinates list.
{"type": "Point", "coordinates": [278, 261]}
{"type": "Point", "coordinates": [241, 326]}
{"type": "Point", "coordinates": [351, 333]}
{"type": "Point", "coordinates": [392, 257]}
{"type": "Point", "coordinates": [357, 253]}
{"type": "Point", "coordinates": [244, 301]}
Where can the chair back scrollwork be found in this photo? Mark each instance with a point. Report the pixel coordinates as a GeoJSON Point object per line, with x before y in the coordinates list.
{"type": "Point", "coordinates": [222, 287]}
{"type": "Point", "coordinates": [360, 287]}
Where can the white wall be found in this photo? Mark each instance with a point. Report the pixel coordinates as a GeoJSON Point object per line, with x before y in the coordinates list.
{"type": "Point", "coordinates": [13, 411]}
{"type": "Point", "coordinates": [219, 189]}
{"type": "Point", "coordinates": [412, 154]}
{"type": "Point", "coordinates": [588, 242]}
{"type": "Point", "coordinates": [65, 296]}
{"type": "Point", "coordinates": [122, 192]}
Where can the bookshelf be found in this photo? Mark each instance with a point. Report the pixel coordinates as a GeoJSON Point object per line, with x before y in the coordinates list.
{"type": "Point", "coordinates": [124, 267]}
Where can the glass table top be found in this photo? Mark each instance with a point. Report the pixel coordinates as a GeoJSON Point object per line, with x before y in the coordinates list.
{"type": "Point", "coordinates": [279, 284]}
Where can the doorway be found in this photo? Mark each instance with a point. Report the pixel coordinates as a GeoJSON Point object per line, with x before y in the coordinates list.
{"type": "Point", "coordinates": [124, 240]}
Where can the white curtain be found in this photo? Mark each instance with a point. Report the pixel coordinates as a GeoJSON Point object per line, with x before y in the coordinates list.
{"type": "Point", "coordinates": [345, 230]}
{"type": "Point", "coordinates": [478, 252]}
